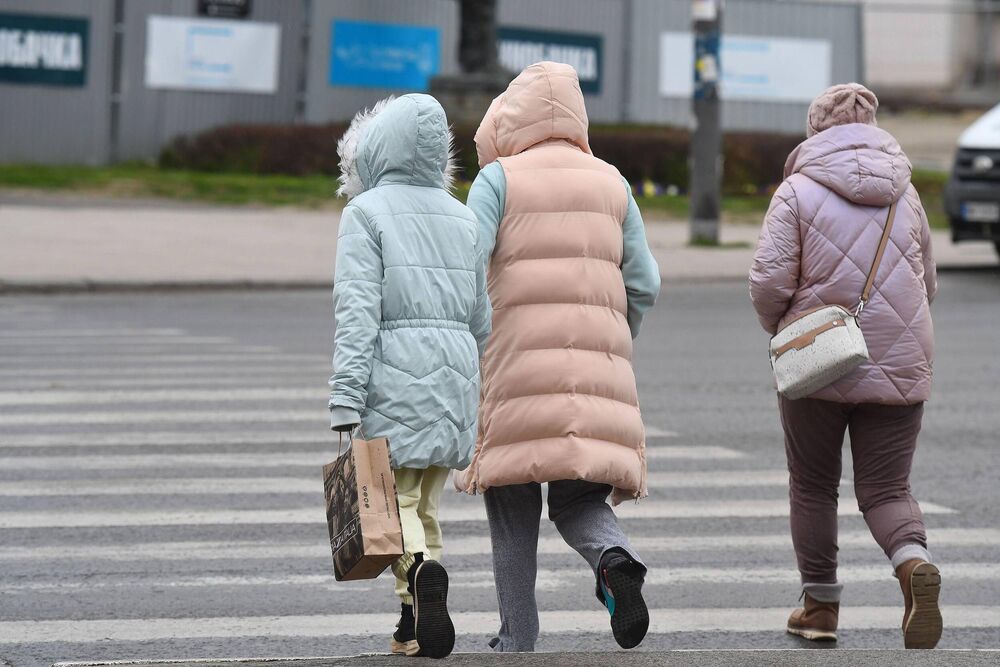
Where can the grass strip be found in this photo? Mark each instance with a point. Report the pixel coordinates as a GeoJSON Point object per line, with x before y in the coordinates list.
{"type": "Point", "coordinates": [315, 191]}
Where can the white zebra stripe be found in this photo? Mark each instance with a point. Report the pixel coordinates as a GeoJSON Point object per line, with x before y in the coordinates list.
{"type": "Point", "coordinates": [455, 546]}
{"type": "Point", "coordinates": [231, 355]}
{"type": "Point", "coordinates": [157, 396]}
{"type": "Point", "coordinates": [184, 486]}
{"type": "Point", "coordinates": [561, 621]}
{"type": "Point", "coordinates": [548, 580]}
{"type": "Point", "coordinates": [87, 333]}
{"type": "Point", "coordinates": [251, 367]}
{"type": "Point", "coordinates": [255, 460]}
{"type": "Point", "coordinates": [466, 510]}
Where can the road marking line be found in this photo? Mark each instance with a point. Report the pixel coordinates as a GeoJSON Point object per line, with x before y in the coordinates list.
{"type": "Point", "coordinates": [317, 416]}
{"type": "Point", "coordinates": [719, 478]}
{"type": "Point", "coordinates": [233, 460]}
{"type": "Point", "coordinates": [200, 460]}
{"type": "Point", "coordinates": [548, 580]}
{"type": "Point", "coordinates": [184, 486]}
{"type": "Point", "coordinates": [455, 546]}
{"type": "Point", "coordinates": [236, 384]}
{"type": "Point", "coordinates": [243, 394]}
{"type": "Point", "coordinates": [85, 345]}
{"type": "Point", "coordinates": [251, 368]}
{"type": "Point", "coordinates": [694, 452]}
{"type": "Point", "coordinates": [654, 432]}
{"type": "Point", "coordinates": [171, 438]}
{"type": "Point", "coordinates": [662, 621]}
{"type": "Point", "coordinates": [165, 358]}
{"type": "Point", "coordinates": [284, 436]}
{"type": "Point", "coordinates": [466, 511]}
{"type": "Point", "coordinates": [88, 333]}
{"type": "Point", "coordinates": [157, 351]}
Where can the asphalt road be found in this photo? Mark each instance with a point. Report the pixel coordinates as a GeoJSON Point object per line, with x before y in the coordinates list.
{"type": "Point", "coordinates": [160, 493]}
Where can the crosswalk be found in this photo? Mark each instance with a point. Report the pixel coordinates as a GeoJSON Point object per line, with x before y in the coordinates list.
{"type": "Point", "coordinates": [160, 494]}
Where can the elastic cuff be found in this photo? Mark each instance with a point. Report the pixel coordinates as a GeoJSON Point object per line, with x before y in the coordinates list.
{"type": "Point", "coordinates": [828, 593]}
{"type": "Point", "coordinates": [910, 552]}
{"type": "Point", "coordinates": [401, 568]}
{"type": "Point", "coordinates": [628, 552]}
{"type": "Point", "coordinates": [343, 416]}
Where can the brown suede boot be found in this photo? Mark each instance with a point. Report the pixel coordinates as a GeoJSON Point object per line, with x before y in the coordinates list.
{"type": "Point", "coordinates": [921, 584]}
{"type": "Point", "coordinates": [816, 621]}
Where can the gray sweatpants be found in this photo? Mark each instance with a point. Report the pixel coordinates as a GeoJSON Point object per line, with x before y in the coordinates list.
{"type": "Point", "coordinates": [582, 516]}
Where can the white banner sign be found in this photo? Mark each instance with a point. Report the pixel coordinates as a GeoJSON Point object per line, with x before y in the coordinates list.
{"type": "Point", "coordinates": [212, 54]}
{"type": "Point", "coordinates": [776, 69]}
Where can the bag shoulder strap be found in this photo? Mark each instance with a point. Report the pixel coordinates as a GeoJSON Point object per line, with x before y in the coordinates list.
{"type": "Point", "coordinates": [866, 293]}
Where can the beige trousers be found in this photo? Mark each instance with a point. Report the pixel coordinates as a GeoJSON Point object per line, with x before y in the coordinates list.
{"type": "Point", "coordinates": [419, 492]}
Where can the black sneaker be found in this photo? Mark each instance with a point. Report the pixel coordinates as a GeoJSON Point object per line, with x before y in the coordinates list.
{"type": "Point", "coordinates": [433, 629]}
{"type": "Point", "coordinates": [620, 581]}
{"type": "Point", "coordinates": [404, 639]}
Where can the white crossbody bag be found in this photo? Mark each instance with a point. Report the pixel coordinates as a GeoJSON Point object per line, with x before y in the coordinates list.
{"type": "Point", "coordinates": [824, 344]}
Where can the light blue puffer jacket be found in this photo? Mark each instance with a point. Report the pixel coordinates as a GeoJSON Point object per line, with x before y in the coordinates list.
{"type": "Point", "coordinates": [409, 296]}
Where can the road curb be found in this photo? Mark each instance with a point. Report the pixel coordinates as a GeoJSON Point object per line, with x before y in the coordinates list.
{"type": "Point", "coordinates": [111, 286]}
{"type": "Point", "coordinates": [680, 658]}
{"type": "Point", "coordinates": [11, 288]}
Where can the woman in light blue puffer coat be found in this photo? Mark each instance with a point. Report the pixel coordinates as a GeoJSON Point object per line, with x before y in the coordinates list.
{"type": "Point", "coordinates": [413, 317]}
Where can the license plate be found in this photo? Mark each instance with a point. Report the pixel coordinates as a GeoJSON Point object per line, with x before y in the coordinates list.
{"type": "Point", "coordinates": [981, 212]}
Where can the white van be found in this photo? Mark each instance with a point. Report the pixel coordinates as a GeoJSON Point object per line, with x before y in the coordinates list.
{"type": "Point", "coordinates": [972, 196]}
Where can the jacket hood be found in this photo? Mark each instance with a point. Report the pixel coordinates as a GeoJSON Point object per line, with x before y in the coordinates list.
{"type": "Point", "coordinates": [543, 102]}
{"type": "Point", "coordinates": [402, 140]}
{"type": "Point", "coordinates": [861, 163]}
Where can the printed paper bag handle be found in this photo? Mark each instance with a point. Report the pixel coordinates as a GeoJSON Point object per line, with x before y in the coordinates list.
{"type": "Point", "coordinates": [350, 441]}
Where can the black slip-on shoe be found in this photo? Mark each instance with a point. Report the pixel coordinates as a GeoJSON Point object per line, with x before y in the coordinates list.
{"type": "Point", "coordinates": [620, 580]}
{"type": "Point", "coordinates": [434, 631]}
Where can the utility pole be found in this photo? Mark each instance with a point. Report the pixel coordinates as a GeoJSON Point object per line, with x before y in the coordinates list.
{"type": "Point", "coordinates": [706, 142]}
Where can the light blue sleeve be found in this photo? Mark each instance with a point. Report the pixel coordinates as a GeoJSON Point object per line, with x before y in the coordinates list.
{"type": "Point", "coordinates": [357, 303]}
{"type": "Point", "coordinates": [486, 199]}
{"type": "Point", "coordinates": [639, 269]}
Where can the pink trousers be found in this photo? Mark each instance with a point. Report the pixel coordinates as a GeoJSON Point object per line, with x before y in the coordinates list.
{"type": "Point", "coordinates": [883, 440]}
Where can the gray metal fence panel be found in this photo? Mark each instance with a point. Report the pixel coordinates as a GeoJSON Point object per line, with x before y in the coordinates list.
{"type": "Point", "coordinates": [55, 124]}
{"type": "Point", "coordinates": [152, 117]}
{"type": "Point", "coordinates": [605, 18]}
{"type": "Point", "coordinates": [67, 124]}
{"type": "Point", "coordinates": [835, 22]}
{"type": "Point", "coordinates": [325, 102]}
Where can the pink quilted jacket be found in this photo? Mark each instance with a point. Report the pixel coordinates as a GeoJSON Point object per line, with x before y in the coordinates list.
{"type": "Point", "coordinates": [818, 243]}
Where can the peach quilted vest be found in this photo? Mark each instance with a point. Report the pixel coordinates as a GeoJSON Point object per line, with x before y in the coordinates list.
{"type": "Point", "coordinates": [559, 397]}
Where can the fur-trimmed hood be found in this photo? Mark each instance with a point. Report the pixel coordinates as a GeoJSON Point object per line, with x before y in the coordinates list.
{"type": "Point", "coordinates": [399, 140]}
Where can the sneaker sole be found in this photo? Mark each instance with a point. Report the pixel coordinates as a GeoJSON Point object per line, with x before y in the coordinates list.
{"type": "Point", "coordinates": [630, 622]}
{"type": "Point", "coordinates": [813, 634]}
{"type": "Point", "coordinates": [409, 648]}
{"type": "Point", "coordinates": [435, 633]}
{"type": "Point", "coordinates": [923, 627]}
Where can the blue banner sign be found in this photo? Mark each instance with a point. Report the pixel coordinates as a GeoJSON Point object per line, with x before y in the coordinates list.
{"type": "Point", "coordinates": [519, 47]}
{"type": "Point", "coordinates": [45, 50]}
{"type": "Point", "coordinates": [383, 55]}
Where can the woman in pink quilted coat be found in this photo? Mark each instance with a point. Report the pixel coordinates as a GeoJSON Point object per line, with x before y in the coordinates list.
{"type": "Point", "coordinates": [817, 245]}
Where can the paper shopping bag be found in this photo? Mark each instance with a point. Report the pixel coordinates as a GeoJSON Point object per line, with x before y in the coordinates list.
{"type": "Point", "coordinates": [362, 511]}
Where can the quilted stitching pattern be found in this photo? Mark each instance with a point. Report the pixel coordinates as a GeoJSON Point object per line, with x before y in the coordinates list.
{"type": "Point", "coordinates": [817, 246]}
